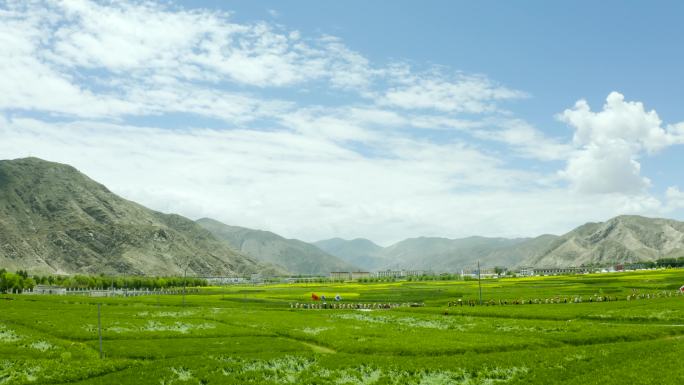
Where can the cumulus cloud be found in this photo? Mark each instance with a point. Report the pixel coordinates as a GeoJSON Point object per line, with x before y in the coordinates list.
{"type": "Point", "coordinates": [610, 142]}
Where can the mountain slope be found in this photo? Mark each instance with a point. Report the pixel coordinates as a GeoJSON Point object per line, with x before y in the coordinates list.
{"type": "Point", "coordinates": [443, 254]}
{"type": "Point", "coordinates": [53, 219]}
{"type": "Point", "coordinates": [359, 252]}
{"type": "Point", "coordinates": [295, 256]}
{"type": "Point", "coordinates": [626, 238]}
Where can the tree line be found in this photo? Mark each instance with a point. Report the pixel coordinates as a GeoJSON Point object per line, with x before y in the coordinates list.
{"type": "Point", "coordinates": [21, 281]}
{"type": "Point", "coordinates": [662, 262]}
{"type": "Point", "coordinates": [18, 281]}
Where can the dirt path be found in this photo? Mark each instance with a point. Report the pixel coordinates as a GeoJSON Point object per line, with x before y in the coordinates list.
{"type": "Point", "coordinates": [318, 348]}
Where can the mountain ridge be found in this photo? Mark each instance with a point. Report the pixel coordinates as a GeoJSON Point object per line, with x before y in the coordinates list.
{"type": "Point", "coordinates": [361, 252]}
{"type": "Point", "coordinates": [293, 255]}
{"type": "Point", "coordinates": [54, 219]}
{"type": "Point", "coordinates": [622, 239]}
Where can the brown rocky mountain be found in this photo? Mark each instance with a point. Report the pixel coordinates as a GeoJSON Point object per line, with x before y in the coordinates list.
{"type": "Point", "coordinates": [54, 219]}
{"type": "Point", "coordinates": [626, 238]}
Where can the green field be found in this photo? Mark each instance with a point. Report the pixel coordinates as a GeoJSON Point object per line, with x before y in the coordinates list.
{"type": "Point", "coordinates": [251, 335]}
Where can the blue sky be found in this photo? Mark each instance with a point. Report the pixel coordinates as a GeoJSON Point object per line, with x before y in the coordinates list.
{"type": "Point", "coordinates": [383, 120]}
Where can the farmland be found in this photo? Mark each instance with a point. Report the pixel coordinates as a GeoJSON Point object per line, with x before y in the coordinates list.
{"type": "Point", "coordinates": [253, 335]}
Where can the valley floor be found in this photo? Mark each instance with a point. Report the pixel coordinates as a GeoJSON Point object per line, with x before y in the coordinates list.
{"type": "Point", "coordinates": [253, 335]}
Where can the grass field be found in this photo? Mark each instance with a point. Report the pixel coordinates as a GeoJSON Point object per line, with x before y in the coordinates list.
{"type": "Point", "coordinates": [251, 335]}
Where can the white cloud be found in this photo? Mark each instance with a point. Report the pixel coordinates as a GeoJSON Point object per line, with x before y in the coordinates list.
{"type": "Point", "coordinates": [142, 38]}
{"type": "Point", "coordinates": [525, 140]}
{"type": "Point", "coordinates": [132, 59]}
{"type": "Point", "coordinates": [113, 60]}
{"type": "Point", "coordinates": [599, 168]}
{"type": "Point", "coordinates": [675, 198]}
{"type": "Point", "coordinates": [610, 143]}
{"type": "Point", "coordinates": [622, 121]}
{"type": "Point", "coordinates": [310, 187]}
{"type": "Point", "coordinates": [471, 94]}
{"type": "Point", "coordinates": [292, 183]}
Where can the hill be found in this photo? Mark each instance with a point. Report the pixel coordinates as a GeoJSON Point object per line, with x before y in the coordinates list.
{"type": "Point", "coordinates": [437, 254]}
{"type": "Point", "coordinates": [293, 255]}
{"type": "Point", "coordinates": [626, 238]}
{"type": "Point", "coordinates": [622, 239]}
{"type": "Point", "coordinates": [443, 254]}
{"type": "Point", "coordinates": [359, 252]}
{"type": "Point", "coordinates": [54, 219]}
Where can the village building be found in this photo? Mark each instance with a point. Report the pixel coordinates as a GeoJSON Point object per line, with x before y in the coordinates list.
{"type": "Point", "coordinates": [356, 275]}
{"type": "Point", "coordinates": [256, 278]}
{"type": "Point", "coordinates": [340, 275]}
{"type": "Point", "coordinates": [532, 271]}
{"type": "Point", "coordinates": [401, 273]}
{"type": "Point", "coordinates": [49, 289]}
{"type": "Point", "coordinates": [484, 272]}
{"type": "Point", "coordinates": [221, 281]}
{"type": "Point", "coordinates": [349, 275]}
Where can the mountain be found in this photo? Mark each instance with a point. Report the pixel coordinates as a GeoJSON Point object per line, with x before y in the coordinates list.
{"type": "Point", "coordinates": [360, 252]}
{"type": "Point", "coordinates": [626, 238]}
{"type": "Point", "coordinates": [437, 254]}
{"type": "Point", "coordinates": [443, 254]}
{"type": "Point", "coordinates": [293, 255]}
{"type": "Point", "coordinates": [54, 219]}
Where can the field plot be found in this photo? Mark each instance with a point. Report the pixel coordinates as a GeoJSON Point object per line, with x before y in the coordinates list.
{"type": "Point", "coordinates": [253, 335]}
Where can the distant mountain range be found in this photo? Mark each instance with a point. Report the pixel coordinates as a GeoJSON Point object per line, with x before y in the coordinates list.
{"type": "Point", "coordinates": [53, 219]}
{"type": "Point", "coordinates": [627, 238]}
{"type": "Point", "coordinates": [441, 254]}
{"type": "Point", "coordinates": [290, 254]}
{"type": "Point", "coordinates": [359, 252]}
{"type": "Point", "coordinates": [619, 240]}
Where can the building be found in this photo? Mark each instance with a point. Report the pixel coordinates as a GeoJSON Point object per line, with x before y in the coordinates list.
{"type": "Point", "coordinates": [348, 275]}
{"type": "Point", "coordinates": [389, 273]}
{"type": "Point", "coordinates": [530, 271]}
{"type": "Point", "coordinates": [49, 289]}
{"type": "Point", "coordinates": [416, 273]}
{"type": "Point", "coordinates": [340, 275]}
{"type": "Point", "coordinates": [356, 275]}
{"type": "Point", "coordinates": [484, 272]}
{"type": "Point", "coordinates": [220, 281]}
{"type": "Point", "coordinates": [401, 273]}
{"type": "Point", "coordinates": [256, 278]}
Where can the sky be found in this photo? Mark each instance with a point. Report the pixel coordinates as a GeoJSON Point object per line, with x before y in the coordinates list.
{"type": "Point", "coordinates": [381, 120]}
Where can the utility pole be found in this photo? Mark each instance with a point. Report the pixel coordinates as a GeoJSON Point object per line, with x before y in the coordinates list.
{"type": "Point", "coordinates": [99, 329]}
{"type": "Point", "coordinates": [185, 275]}
{"type": "Point", "coordinates": [479, 281]}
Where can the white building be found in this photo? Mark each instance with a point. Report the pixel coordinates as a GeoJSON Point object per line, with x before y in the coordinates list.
{"type": "Point", "coordinates": [49, 289]}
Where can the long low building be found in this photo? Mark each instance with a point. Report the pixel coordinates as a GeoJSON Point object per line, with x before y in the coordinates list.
{"type": "Point", "coordinates": [530, 271]}
{"type": "Point", "coordinates": [49, 289]}
{"type": "Point", "coordinates": [349, 275]}
{"type": "Point", "coordinates": [401, 273]}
